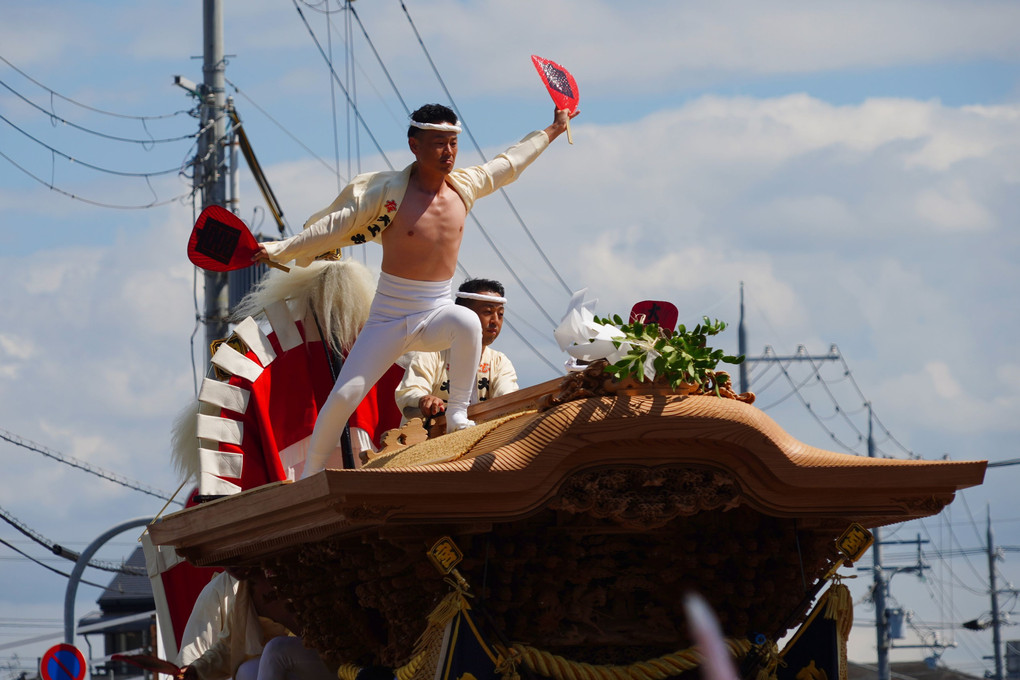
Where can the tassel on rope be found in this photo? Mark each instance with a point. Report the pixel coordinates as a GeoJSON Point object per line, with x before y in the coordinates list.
{"type": "Point", "coordinates": [839, 607]}
{"type": "Point", "coordinates": [507, 663]}
{"type": "Point", "coordinates": [430, 642]}
{"type": "Point", "coordinates": [770, 660]}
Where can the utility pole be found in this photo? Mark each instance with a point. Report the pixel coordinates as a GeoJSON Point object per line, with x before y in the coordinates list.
{"type": "Point", "coordinates": [884, 630]}
{"type": "Point", "coordinates": [210, 177]}
{"type": "Point", "coordinates": [742, 343]}
{"type": "Point", "coordinates": [801, 354]}
{"type": "Point", "coordinates": [996, 624]}
{"type": "Point", "coordinates": [881, 586]}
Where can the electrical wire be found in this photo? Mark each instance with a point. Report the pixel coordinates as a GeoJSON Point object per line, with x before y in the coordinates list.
{"type": "Point", "coordinates": [72, 159]}
{"type": "Point", "coordinates": [385, 70]}
{"type": "Point", "coordinates": [471, 136]}
{"type": "Point", "coordinates": [807, 405]}
{"type": "Point", "coordinates": [796, 388]}
{"type": "Point", "coordinates": [52, 187]}
{"type": "Point", "coordinates": [46, 566]}
{"type": "Point", "coordinates": [82, 465]}
{"type": "Point", "coordinates": [849, 374]}
{"type": "Point", "coordinates": [332, 104]}
{"type": "Point", "coordinates": [332, 71]}
{"type": "Point", "coordinates": [315, 8]}
{"type": "Point", "coordinates": [56, 94]}
{"type": "Point", "coordinates": [61, 551]}
{"type": "Point", "coordinates": [825, 385]}
{"type": "Point", "coordinates": [349, 63]}
{"type": "Point", "coordinates": [474, 219]}
{"type": "Point", "coordinates": [506, 197]}
{"type": "Point", "coordinates": [144, 142]}
{"type": "Point", "coordinates": [279, 125]}
{"type": "Point", "coordinates": [761, 390]}
{"type": "Point", "coordinates": [516, 332]}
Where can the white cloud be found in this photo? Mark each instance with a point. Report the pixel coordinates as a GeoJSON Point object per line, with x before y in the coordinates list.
{"type": "Point", "coordinates": [943, 396]}
{"type": "Point", "coordinates": [945, 384]}
{"type": "Point", "coordinates": [633, 50]}
{"type": "Point", "coordinates": [953, 208]}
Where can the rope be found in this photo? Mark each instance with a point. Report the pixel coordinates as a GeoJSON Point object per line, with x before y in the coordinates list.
{"type": "Point", "coordinates": [558, 668]}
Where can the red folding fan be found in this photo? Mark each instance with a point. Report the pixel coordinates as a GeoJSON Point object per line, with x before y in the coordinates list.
{"type": "Point", "coordinates": [561, 85]}
{"type": "Point", "coordinates": [221, 242]}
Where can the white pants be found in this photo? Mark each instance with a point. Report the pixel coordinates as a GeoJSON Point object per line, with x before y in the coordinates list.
{"type": "Point", "coordinates": [285, 658]}
{"type": "Point", "coordinates": [406, 315]}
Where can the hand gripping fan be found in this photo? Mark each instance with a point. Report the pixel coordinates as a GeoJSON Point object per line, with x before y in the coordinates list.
{"type": "Point", "coordinates": [561, 85]}
{"type": "Point", "coordinates": [221, 242]}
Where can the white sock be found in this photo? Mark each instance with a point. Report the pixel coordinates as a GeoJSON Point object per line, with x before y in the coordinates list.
{"type": "Point", "coordinates": [456, 419]}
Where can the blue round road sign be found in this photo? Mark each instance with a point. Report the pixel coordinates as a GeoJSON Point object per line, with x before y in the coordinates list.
{"type": "Point", "coordinates": [62, 662]}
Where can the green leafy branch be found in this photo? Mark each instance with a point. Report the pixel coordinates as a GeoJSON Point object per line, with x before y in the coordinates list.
{"type": "Point", "coordinates": [680, 357]}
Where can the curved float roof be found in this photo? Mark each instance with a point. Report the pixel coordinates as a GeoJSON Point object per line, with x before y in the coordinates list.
{"type": "Point", "coordinates": [514, 466]}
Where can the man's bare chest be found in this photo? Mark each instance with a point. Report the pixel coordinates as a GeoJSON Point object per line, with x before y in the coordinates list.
{"type": "Point", "coordinates": [429, 216]}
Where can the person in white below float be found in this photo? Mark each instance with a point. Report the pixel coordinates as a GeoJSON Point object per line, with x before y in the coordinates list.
{"type": "Point", "coordinates": [418, 215]}
{"type": "Point", "coordinates": [426, 384]}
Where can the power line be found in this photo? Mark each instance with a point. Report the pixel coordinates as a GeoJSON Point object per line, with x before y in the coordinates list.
{"type": "Point", "coordinates": [825, 385]}
{"type": "Point", "coordinates": [474, 219]}
{"type": "Point", "coordinates": [467, 129]}
{"type": "Point", "coordinates": [889, 434]}
{"type": "Point", "coordinates": [807, 405]}
{"type": "Point", "coordinates": [332, 71]}
{"type": "Point", "coordinates": [144, 142]}
{"type": "Point", "coordinates": [516, 332]}
{"type": "Point", "coordinates": [76, 161]}
{"type": "Point", "coordinates": [1004, 463]}
{"type": "Point", "coordinates": [100, 204]}
{"type": "Point", "coordinates": [382, 65]}
{"type": "Point", "coordinates": [61, 551]}
{"type": "Point", "coordinates": [795, 388]}
{"type": "Point", "coordinates": [87, 467]}
{"type": "Point", "coordinates": [815, 377]}
{"type": "Point", "coordinates": [278, 124]}
{"type": "Point", "coordinates": [46, 566]}
{"type": "Point", "coordinates": [316, 8]}
{"type": "Point", "coordinates": [56, 94]}
{"type": "Point", "coordinates": [332, 104]}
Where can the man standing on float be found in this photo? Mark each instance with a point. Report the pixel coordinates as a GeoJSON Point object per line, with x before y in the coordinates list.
{"type": "Point", "coordinates": [418, 215]}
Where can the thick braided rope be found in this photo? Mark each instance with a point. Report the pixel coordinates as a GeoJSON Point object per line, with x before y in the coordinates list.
{"type": "Point", "coordinates": [558, 668]}
{"type": "Point", "coordinates": [349, 671]}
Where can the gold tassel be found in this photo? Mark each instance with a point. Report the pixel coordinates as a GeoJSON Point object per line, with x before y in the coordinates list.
{"type": "Point", "coordinates": [839, 607]}
{"type": "Point", "coordinates": [506, 665]}
{"type": "Point", "coordinates": [770, 661]}
{"type": "Point", "coordinates": [430, 643]}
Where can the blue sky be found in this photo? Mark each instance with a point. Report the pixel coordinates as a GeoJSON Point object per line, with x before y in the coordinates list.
{"type": "Point", "coordinates": [853, 163]}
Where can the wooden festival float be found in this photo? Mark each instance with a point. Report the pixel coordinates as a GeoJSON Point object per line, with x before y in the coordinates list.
{"type": "Point", "coordinates": [584, 509]}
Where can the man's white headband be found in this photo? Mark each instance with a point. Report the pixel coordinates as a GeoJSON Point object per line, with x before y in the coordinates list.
{"type": "Point", "coordinates": [442, 127]}
{"type": "Point", "coordinates": [481, 296]}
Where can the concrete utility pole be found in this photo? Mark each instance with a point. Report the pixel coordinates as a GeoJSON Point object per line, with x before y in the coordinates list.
{"type": "Point", "coordinates": [996, 624]}
{"type": "Point", "coordinates": [801, 354]}
{"type": "Point", "coordinates": [742, 344]}
{"type": "Point", "coordinates": [881, 624]}
{"type": "Point", "coordinates": [210, 175]}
